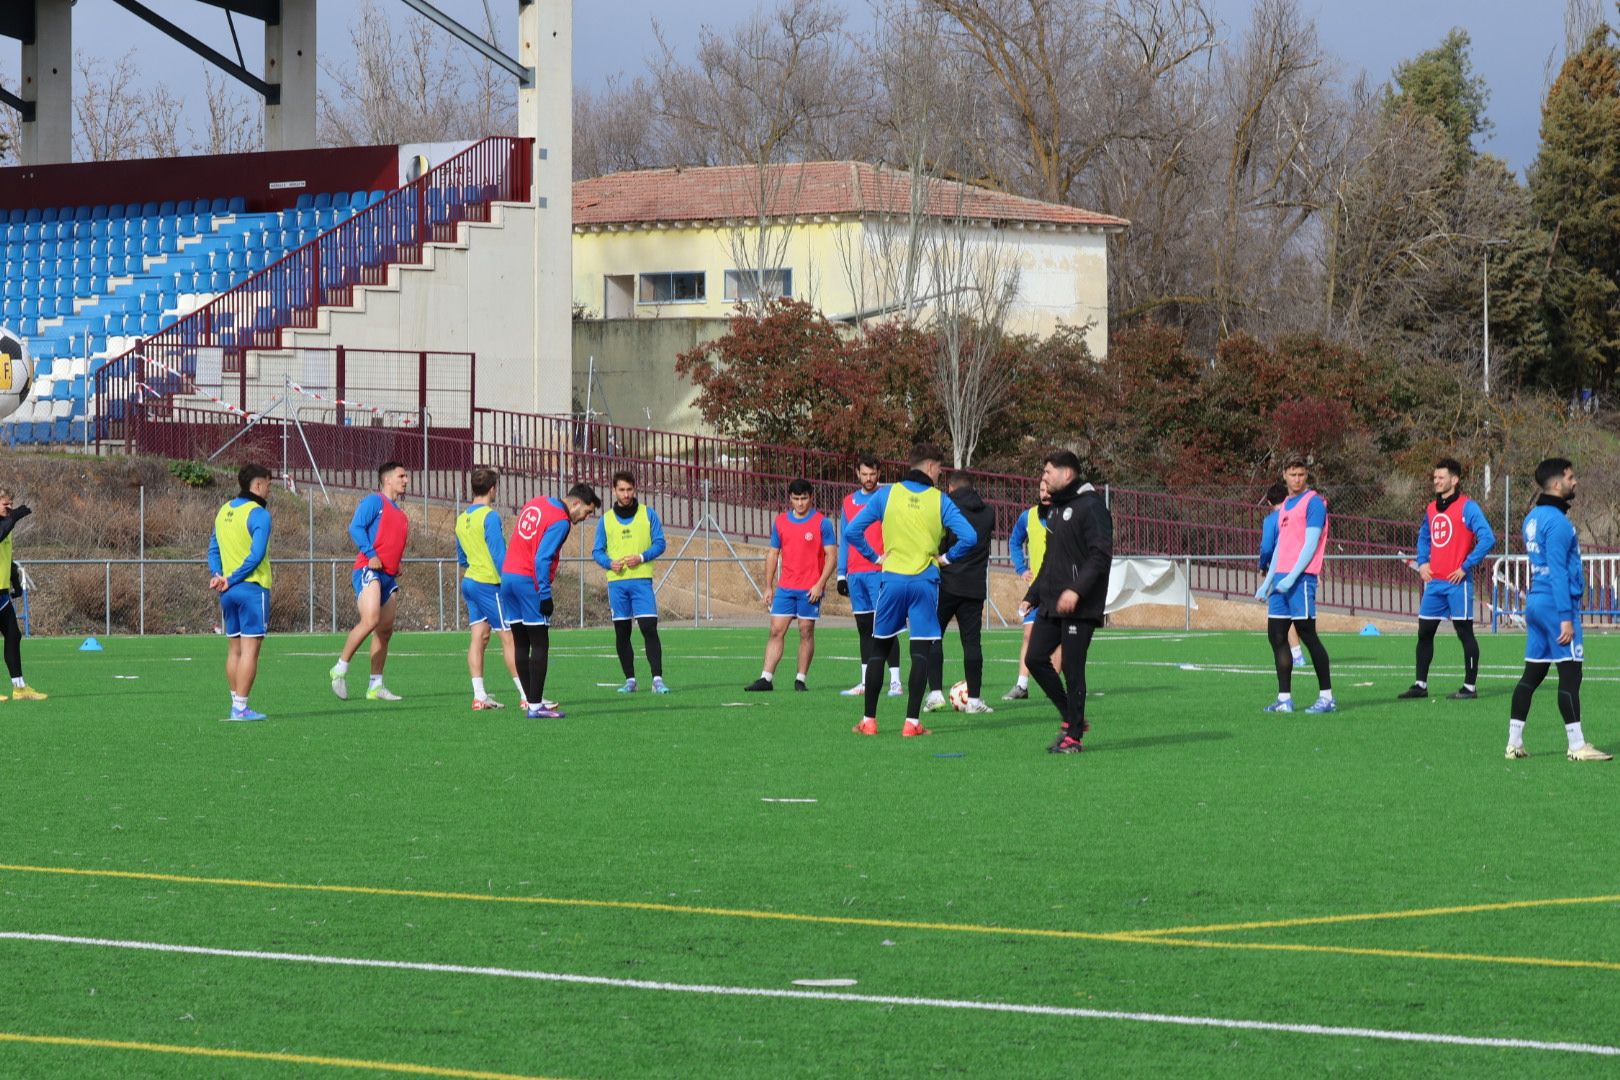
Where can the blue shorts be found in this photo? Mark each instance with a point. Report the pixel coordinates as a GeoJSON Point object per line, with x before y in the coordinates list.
{"type": "Point", "coordinates": [1297, 603]}
{"type": "Point", "coordinates": [365, 576]}
{"type": "Point", "coordinates": [1031, 615]}
{"type": "Point", "coordinates": [632, 599]}
{"type": "Point", "coordinates": [483, 603]}
{"type": "Point", "coordinates": [1541, 642]}
{"type": "Point", "coordinates": [793, 604]}
{"type": "Point", "coordinates": [863, 591]}
{"type": "Point", "coordinates": [1443, 600]}
{"type": "Point", "coordinates": [520, 601]}
{"type": "Point", "coordinates": [908, 602]}
{"type": "Point", "coordinates": [245, 609]}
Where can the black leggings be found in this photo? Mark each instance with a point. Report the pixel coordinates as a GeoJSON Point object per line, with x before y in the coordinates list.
{"type": "Point", "coordinates": [969, 615]}
{"type": "Point", "coordinates": [13, 635]}
{"type": "Point", "coordinates": [916, 678]}
{"type": "Point", "coordinates": [1427, 628]}
{"type": "Point", "coordinates": [1277, 631]}
{"type": "Point", "coordinates": [1569, 690]}
{"type": "Point", "coordinates": [863, 626]}
{"type": "Point", "coordinates": [533, 652]}
{"type": "Point", "coordinates": [649, 638]}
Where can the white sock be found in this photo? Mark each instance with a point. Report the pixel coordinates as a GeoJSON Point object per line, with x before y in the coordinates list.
{"type": "Point", "coordinates": [1421, 683]}
{"type": "Point", "coordinates": [1299, 656]}
{"type": "Point", "coordinates": [18, 682]}
{"type": "Point", "coordinates": [863, 674]}
{"type": "Point", "coordinates": [658, 680]}
{"type": "Point", "coordinates": [341, 667]}
{"type": "Point", "coordinates": [1283, 695]}
{"type": "Point", "coordinates": [1023, 682]}
{"type": "Point", "coordinates": [376, 681]}
{"type": "Point", "coordinates": [1325, 695]}
{"type": "Point", "coordinates": [517, 682]}
{"type": "Point", "coordinates": [238, 702]}
{"type": "Point", "coordinates": [1468, 686]}
{"type": "Point", "coordinates": [1515, 732]}
{"type": "Point", "coordinates": [631, 681]}
{"type": "Point", "coordinates": [1573, 733]}
{"type": "Point", "coordinates": [894, 676]}
{"type": "Point", "coordinates": [478, 689]}
{"type": "Point", "coordinates": [767, 676]}
{"type": "Point", "coordinates": [799, 677]}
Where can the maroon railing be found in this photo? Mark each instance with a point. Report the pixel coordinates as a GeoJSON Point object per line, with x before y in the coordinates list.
{"type": "Point", "coordinates": [288, 294]}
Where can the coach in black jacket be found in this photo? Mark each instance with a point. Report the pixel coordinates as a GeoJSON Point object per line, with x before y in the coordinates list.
{"type": "Point", "coordinates": [1070, 592]}
{"type": "Point", "coordinates": [963, 585]}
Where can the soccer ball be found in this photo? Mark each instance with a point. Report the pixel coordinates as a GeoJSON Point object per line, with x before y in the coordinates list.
{"type": "Point", "coordinates": [959, 696]}
{"type": "Point", "coordinates": [16, 372]}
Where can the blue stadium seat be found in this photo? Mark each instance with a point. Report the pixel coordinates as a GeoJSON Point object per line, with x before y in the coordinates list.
{"type": "Point", "coordinates": [323, 201]}
{"type": "Point", "coordinates": [83, 213]}
{"type": "Point", "coordinates": [16, 217]}
{"type": "Point", "coordinates": [166, 208]}
{"type": "Point", "coordinates": [98, 213]}
{"type": "Point", "coordinates": [220, 206]}
{"type": "Point", "coordinates": [222, 280]}
{"type": "Point", "coordinates": [48, 214]}
{"type": "Point", "coordinates": [237, 205]}
{"type": "Point", "coordinates": [183, 207]}
{"type": "Point", "coordinates": [340, 200]}
{"type": "Point", "coordinates": [32, 217]}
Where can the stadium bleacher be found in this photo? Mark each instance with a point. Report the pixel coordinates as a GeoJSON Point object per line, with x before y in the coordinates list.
{"type": "Point", "coordinates": [82, 284]}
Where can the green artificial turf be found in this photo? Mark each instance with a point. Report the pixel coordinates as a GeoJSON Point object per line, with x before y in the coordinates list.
{"type": "Point", "coordinates": [925, 868]}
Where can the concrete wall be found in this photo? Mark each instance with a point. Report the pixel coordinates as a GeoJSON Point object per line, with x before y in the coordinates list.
{"type": "Point", "coordinates": [475, 295]}
{"type": "Point", "coordinates": [846, 266]}
{"type": "Point", "coordinates": [636, 382]}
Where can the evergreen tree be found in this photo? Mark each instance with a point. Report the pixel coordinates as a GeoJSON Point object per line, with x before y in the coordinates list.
{"type": "Point", "coordinates": [1441, 83]}
{"type": "Point", "coordinates": [1575, 190]}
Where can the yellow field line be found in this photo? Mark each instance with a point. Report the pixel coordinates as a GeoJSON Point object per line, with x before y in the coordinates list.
{"type": "Point", "coordinates": [554, 901]}
{"type": "Point", "coordinates": [256, 1055]}
{"type": "Point", "coordinates": [1400, 954]}
{"type": "Point", "coordinates": [1415, 913]}
{"type": "Point", "coordinates": [1129, 937]}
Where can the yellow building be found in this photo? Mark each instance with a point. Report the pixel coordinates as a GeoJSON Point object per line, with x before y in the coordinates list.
{"type": "Point", "coordinates": [855, 240]}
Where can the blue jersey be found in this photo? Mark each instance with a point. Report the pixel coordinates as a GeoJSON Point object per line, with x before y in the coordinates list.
{"type": "Point", "coordinates": [1268, 539]}
{"type": "Point", "coordinates": [1555, 562]}
{"type": "Point", "coordinates": [951, 517]}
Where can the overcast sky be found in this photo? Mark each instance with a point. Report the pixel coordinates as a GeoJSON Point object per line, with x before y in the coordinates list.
{"type": "Point", "coordinates": [1513, 41]}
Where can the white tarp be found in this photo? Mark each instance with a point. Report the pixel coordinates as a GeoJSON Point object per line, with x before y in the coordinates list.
{"type": "Point", "coordinates": [1147, 581]}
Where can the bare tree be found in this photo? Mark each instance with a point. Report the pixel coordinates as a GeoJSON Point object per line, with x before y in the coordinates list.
{"type": "Point", "coordinates": [975, 281]}
{"type": "Point", "coordinates": [614, 129]}
{"type": "Point", "coordinates": [235, 123]}
{"type": "Point", "coordinates": [413, 85]}
{"type": "Point", "coordinates": [116, 117]}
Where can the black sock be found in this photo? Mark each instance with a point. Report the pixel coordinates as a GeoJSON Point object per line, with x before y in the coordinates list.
{"type": "Point", "coordinates": [539, 654]}
{"type": "Point", "coordinates": [1313, 645]}
{"type": "Point", "coordinates": [1281, 654]}
{"type": "Point", "coordinates": [875, 676]}
{"type": "Point", "coordinates": [1522, 693]}
{"type": "Point", "coordinates": [917, 678]}
{"type": "Point", "coordinates": [863, 628]}
{"type": "Point", "coordinates": [936, 667]}
{"type": "Point", "coordinates": [1425, 648]}
{"type": "Point", "coordinates": [520, 645]}
{"type": "Point", "coordinates": [654, 645]}
{"type": "Point", "coordinates": [1569, 691]}
{"type": "Point", "coordinates": [1470, 644]}
{"type": "Point", "coordinates": [894, 651]}
{"type": "Point", "coordinates": [621, 645]}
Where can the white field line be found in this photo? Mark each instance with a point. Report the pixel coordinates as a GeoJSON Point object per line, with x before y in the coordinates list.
{"type": "Point", "coordinates": [825, 995]}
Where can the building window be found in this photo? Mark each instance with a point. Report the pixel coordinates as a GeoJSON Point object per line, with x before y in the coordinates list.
{"type": "Point", "coordinates": [683, 287]}
{"type": "Point", "coordinates": [749, 284]}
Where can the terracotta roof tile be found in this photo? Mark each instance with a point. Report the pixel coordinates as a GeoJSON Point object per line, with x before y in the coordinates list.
{"type": "Point", "coordinates": [817, 187]}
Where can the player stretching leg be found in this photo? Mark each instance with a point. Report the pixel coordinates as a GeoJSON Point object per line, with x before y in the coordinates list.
{"type": "Point", "coordinates": [1290, 588]}
{"type": "Point", "coordinates": [239, 570]}
{"type": "Point", "coordinates": [858, 576]}
{"type": "Point", "coordinates": [10, 589]}
{"type": "Point", "coordinates": [480, 550]}
{"type": "Point", "coordinates": [628, 538]}
{"type": "Point", "coordinates": [1552, 612]}
{"type": "Point", "coordinates": [527, 572]}
{"type": "Point", "coordinates": [1452, 541]}
{"type": "Point", "coordinates": [379, 529]}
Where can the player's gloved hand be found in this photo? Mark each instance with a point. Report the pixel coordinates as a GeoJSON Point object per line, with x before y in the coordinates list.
{"type": "Point", "coordinates": [20, 512]}
{"type": "Point", "coordinates": [843, 586]}
{"type": "Point", "coordinates": [547, 607]}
